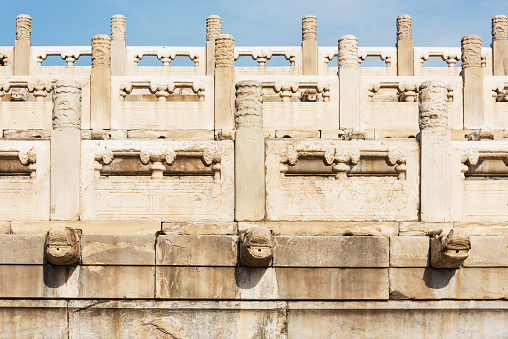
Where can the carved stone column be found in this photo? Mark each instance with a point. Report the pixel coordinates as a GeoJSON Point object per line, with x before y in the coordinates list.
{"type": "Point", "coordinates": [66, 150]}
{"type": "Point", "coordinates": [499, 46]}
{"type": "Point", "coordinates": [249, 152]}
{"type": "Point", "coordinates": [435, 152]}
{"type": "Point", "coordinates": [349, 83]}
{"type": "Point", "coordinates": [472, 77]}
{"type": "Point", "coordinates": [213, 30]}
{"type": "Point", "coordinates": [224, 84]}
{"type": "Point", "coordinates": [309, 45]}
{"type": "Point", "coordinates": [100, 83]}
{"type": "Point", "coordinates": [405, 58]}
{"type": "Point", "coordinates": [118, 49]}
{"type": "Point", "coordinates": [22, 45]}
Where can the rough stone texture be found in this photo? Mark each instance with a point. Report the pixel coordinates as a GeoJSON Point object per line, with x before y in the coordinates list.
{"type": "Point", "coordinates": [194, 250]}
{"type": "Point", "coordinates": [21, 249]}
{"type": "Point", "coordinates": [224, 51]}
{"type": "Point", "coordinates": [409, 251]}
{"type": "Point", "coordinates": [118, 250]}
{"type": "Point", "coordinates": [488, 251]}
{"type": "Point", "coordinates": [213, 27]}
{"type": "Point", "coordinates": [204, 228]}
{"type": "Point", "coordinates": [348, 51]}
{"type": "Point", "coordinates": [449, 250]}
{"type": "Point", "coordinates": [330, 251]}
{"type": "Point", "coordinates": [442, 283]}
{"type": "Point", "coordinates": [101, 51]}
{"type": "Point", "coordinates": [271, 283]}
{"type": "Point", "coordinates": [174, 134]}
{"type": "Point", "coordinates": [118, 27]}
{"type": "Point", "coordinates": [40, 134]}
{"type": "Point", "coordinates": [5, 227]}
{"type": "Point", "coordinates": [23, 27]}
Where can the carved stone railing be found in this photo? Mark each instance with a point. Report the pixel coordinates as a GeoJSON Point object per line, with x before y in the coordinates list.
{"type": "Point", "coordinates": [165, 55]}
{"type": "Point", "coordinates": [386, 54]}
{"type": "Point", "coordinates": [160, 179]}
{"type": "Point", "coordinates": [392, 102]}
{"type": "Point", "coordinates": [162, 103]}
{"type": "Point", "coordinates": [69, 54]}
{"type": "Point", "coordinates": [26, 102]}
{"type": "Point", "coordinates": [450, 56]}
{"type": "Point", "coordinates": [24, 180]}
{"type": "Point", "coordinates": [298, 103]}
{"type": "Point", "coordinates": [340, 180]}
{"type": "Point", "coordinates": [262, 55]}
{"type": "Point", "coordinates": [6, 60]}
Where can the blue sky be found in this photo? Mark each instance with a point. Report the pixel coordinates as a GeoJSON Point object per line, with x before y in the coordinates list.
{"type": "Point", "coordinates": [252, 23]}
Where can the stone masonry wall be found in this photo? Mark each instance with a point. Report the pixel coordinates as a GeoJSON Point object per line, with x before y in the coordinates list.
{"type": "Point", "coordinates": [320, 199]}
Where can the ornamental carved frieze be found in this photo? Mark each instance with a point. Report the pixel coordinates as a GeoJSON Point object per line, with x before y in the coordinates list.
{"type": "Point", "coordinates": [340, 158]}
{"type": "Point", "coordinates": [67, 105]}
{"type": "Point", "coordinates": [154, 157]}
{"type": "Point", "coordinates": [28, 157]}
{"type": "Point", "coordinates": [397, 157]}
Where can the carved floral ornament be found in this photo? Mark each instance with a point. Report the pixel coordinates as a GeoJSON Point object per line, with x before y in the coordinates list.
{"type": "Point", "coordinates": [28, 157]}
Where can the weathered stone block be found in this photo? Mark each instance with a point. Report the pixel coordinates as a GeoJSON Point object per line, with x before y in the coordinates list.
{"type": "Point", "coordinates": [463, 283]}
{"type": "Point", "coordinates": [21, 249]}
{"type": "Point", "coordinates": [330, 252]}
{"type": "Point", "coordinates": [197, 250]}
{"type": "Point", "coordinates": [488, 251]}
{"type": "Point", "coordinates": [409, 251]}
{"type": "Point", "coordinates": [104, 227]}
{"type": "Point", "coordinates": [118, 250]}
{"type": "Point", "coordinates": [5, 227]}
{"type": "Point", "coordinates": [271, 283]}
{"type": "Point", "coordinates": [117, 282]}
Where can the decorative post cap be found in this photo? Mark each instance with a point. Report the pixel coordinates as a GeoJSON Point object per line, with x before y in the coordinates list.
{"type": "Point", "coordinates": [404, 30]}
{"type": "Point", "coordinates": [309, 27]}
{"type": "Point", "coordinates": [471, 48]}
{"type": "Point", "coordinates": [23, 27]}
{"type": "Point", "coordinates": [118, 27]}
{"type": "Point", "coordinates": [499, 27]}
{"type": "Point", "coordinates": [224, 51]}
{"type": "Point", "coordinates": [433, 106]}
{"type": "Point", "coordinates": [101, 51]}
{"type": "Point", "coordinates": [348, 51]}
{"type": "Point", "coordinates": [67, 105]}
{"type": "Point", "coordinates": [213, 27]}
{"type": "Point", "coordinates": [249, 105]}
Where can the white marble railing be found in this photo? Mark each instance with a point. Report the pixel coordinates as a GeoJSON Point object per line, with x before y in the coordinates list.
{"type": "Point", "coordinates": [450, 56]}
{"type": "Point", "coordinates": [386, 54]}
{"type": "Point", "coordinates": [68, 53]}
{"type": "Point", "coordinates": [166, 55]}
{"type": "Point", "coordinates": [263, 54]}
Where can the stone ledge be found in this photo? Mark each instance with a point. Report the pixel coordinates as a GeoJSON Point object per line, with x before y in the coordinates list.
{"type": "Point", "coordinates": [21, 249]}
{"type": "Point", "coordinates": [325, 228]}
{"type": "Point", "coordinates": [118, 250]}
{"type": "Point", "coordinates": [114, 227]}
{"type": "Point", "coordinates": [200, 228]}
{"type": "Point", "coordinates": [173, 134]}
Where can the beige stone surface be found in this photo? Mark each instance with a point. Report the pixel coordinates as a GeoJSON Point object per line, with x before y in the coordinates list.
{"type": "Point", "coordinates": [5, 227]}
{"type": "Point", "coordinates": [398, 319]}
{"type": "Point", "coordinates": [197, 250]}
{"type": "Point", "coordinates": [353, 251]}
{"type": "Point", "coordinates": [117, 282]}
{"type": "Point", "coordinates": [488, 251]}
{"type": "Point", "coordinates": [325, 228]}
{"type": "Point", "coordinates": [441, 283]}
{"type": "Point", "coordinates": [21, 249]}
{"type": "Point", "coordinates": [409, 251]}
{"type": "Point", "coordinates": [173, 134]}
{"type": "Point", "coordinates": [114, 227]}
{"type": "Point", "coordinates": [271, 283]}
{"type": "Point", "coordinates": [297, 134]}
{"type": "Point", "coordinates": [136, 250]}
{"type": "Point", "coordinates": [200, 228]}
{"type": "Point", "coordinates": [41, 134]}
